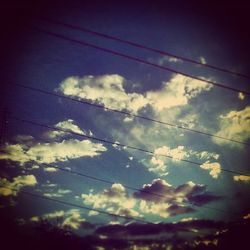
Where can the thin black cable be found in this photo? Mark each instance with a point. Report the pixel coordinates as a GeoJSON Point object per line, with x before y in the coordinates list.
{"type": "Point", "coordinates": [75, 205]}
{"type": "Point", "coordinates": [86, 30]}
{"type": "Point", "coordinates": [116, 143]}
{"type": "Point", "coordinates": [126, 113]}
{"type": "Point", "coordinates": [220, 85]}
{"type": "Point", "coordinates": [129, 187]}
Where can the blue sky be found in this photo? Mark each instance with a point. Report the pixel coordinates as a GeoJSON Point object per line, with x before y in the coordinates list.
{"type": "Point", "coordinates": [69, 69]}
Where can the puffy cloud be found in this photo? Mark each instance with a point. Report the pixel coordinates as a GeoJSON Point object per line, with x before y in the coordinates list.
{"type": "Point", "coordinates": [106, 89]}
{"type": "Point", "coordinates": [159, 191]}
{"type": "Point", "coordinates": [234, 125]}
{"type": "Point", "coordinates": [213, 167]}
{"type": "Point", "coordinates": [243, 178]}
{"type": "Point", "coordinates": [52, 152]}
{"type": "Point", "coordinates": [158, 161]}
{"type": "Point", "coordinates": [109, 91]}
{"type": "Point", "coordinates": [8, 188]}
{"type": "Point", "coordinates": [67, 125]}
{"type": "Point", "coordinates": [114, 200]}
{"type": "Point", "coordinates": [177, 92]}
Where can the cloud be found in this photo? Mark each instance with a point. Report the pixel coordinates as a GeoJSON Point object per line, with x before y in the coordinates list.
{"type": "Point", "coordinates": [71, 219]}
{"type": "Point", "coordinates": [165, 59]}
{"type": "Point", "coordinates": [12, 188]}
{"type": "Point", "coordinates": [50, 169]}
{"type": "Point", "coordinates": [52, 152]}
{"type": "Point", "coordinates": [67, 125]}
{"type": "Point", "coordinates": [213, 167]}
{"type": "Point", "coordinates": [159, 191]}
{"type": "Point", "coordinates": [246, 217]}
{"type": "Point", "coordinates": [106, 89]}
{"type": "Point", "coordinates": [109, 91]}
{"type": "Point", "coordinates": [136, 229]}
{"type": "Point", "coordinates": [203, 60]}
{"type": "Point", "coordinates": [158, 160]}
{"type": "Point", "coordinates": [114, 200]}
{"type": "Point", "coordinates": [243, 178]}
{"type": "Point", "coordinates": [241, 96]}
{"type": "Point", "coordinates": [234, 125]}
{"type": "Point", "coordinates": [58, 193]}
{"type": "Point", "coordinates": [177, 92]}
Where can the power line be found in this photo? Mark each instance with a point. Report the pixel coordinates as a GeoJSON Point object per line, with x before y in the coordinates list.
{"type": "Point", "coordinates": [117, 143]}
{"type": "Point", "coordinates": [127, 113]}
{"type": "Point", "coordinates": [75, 205]}
{"type": "Point", "coordinates": [86, 30]}
{"type": "Point", "coordinates": [128, 187]}
{"type": "Point", "coordinates": [220, 85]}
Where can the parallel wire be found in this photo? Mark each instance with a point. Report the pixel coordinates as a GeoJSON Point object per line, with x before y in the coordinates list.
{"type": "Point", "coordinates": [137, 45]}
{"type": "Point", "coordinates": [116, 143]}
{"type": "Point", "coordinates": [73, 172]}
{"type": "Point", "coordinates": [75, 205]}
{"type": "Point", "coordinates": [116, 53]}
{"type": "Point", "coordinates": [127, 113]}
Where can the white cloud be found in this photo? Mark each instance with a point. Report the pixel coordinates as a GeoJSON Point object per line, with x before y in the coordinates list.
{"type": "Point", "coordinates": [203, 60]}
{"type": "Point", "coordinates": [67, 125]}
{"type": "Point", "coordinates": [52, 152]}
{"type": "Point", "coordinates": [50, 169]}
{"type": "Point", "coordinates": [177, 92]}
{"type": "Point", "coordinates": [234, 125]}
{"type": "Point", "coordinates": [158, 162]}
{"type": "Point", "coordinates": [165, 59]}
{"type": "Point", "coordinates": [70, 219]}
{"type": "Point", "coordinates": [243, 178]}
{"type": "Point", "coordinates": [106, 89]}
{"type": "Point", "coordinates": [12, 188]}
{"type": "Point", "coordinates": [213, 167]}
{"type": "Point", "coordinates": [241, 96]}
{"type": "Point", "coordinates": [109, 91]}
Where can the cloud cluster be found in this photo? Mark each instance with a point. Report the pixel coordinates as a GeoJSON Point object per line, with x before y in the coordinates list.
{"type": "Point", "coordinates": [113, 200]}
{"type": "Point", "coordinates": [70, 219]}
{"type": "Point", "coordinates": [11, 188]}
{"type": "Point", "coordinates": [234, 125]}
{"type": "Point", "coordinates": [158, 198]}
{"type": "Point", "coordinates": [158, 162]}
{"type": "Point", "coordinates": [213, 167]}
{"type": "Point", "coordinates": [52, 152]}
{"type": "Point", "coordinates": [109, 91]}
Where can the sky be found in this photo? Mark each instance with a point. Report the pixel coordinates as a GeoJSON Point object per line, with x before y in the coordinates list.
{"type": "Point", "coordinates": [168, 191]}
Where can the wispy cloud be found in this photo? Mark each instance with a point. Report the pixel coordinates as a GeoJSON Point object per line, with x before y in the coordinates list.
{"type": "Point", "coordinates": [234, 125]}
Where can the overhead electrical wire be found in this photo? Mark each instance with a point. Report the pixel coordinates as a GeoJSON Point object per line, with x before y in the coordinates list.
{"type": "Point", "coordinates": [113, 52]}
{"type": "Point", "coordinates": [127, 113]}
{"type": "Point", "coordinates": [75, 205]}
{"type": "Point", "coordinates": [73, 172]}
{"type": "Point", "coordinates": [116, 143]}
{"type": "Point", "coordinates": [137, 45]}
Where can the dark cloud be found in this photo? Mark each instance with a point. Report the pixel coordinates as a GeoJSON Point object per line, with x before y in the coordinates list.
{"type": "Point", "coordinates": [136, 229]}
{"type": "Point", "coordinates": [161, 191]}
